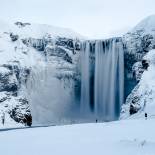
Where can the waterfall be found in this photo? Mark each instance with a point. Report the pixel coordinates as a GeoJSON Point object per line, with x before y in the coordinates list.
{"type": "Point", "coordinates": [85, 77]}
{"type": "Point", "coordinates": [51, 90]}
{"type": "Point", "coordinates": [108, 79]}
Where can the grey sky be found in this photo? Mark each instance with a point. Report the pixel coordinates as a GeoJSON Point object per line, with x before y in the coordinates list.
{"type": "Point", "coordinates": [93, 18]}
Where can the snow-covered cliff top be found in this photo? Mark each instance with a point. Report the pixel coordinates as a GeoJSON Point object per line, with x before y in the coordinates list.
{"type": "Point", "coordinates": [37, 30]}
{"type": "Point", "coordinates": [148, 24]}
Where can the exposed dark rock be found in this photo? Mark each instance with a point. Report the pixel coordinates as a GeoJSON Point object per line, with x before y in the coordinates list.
{"type": "Point", "coordinates": [3, 99]}
{"type": "Point", "coordinates": [20, 24]}
{"type": "Point", "coordinates": [146, 42]}
{"type": "Point", "coordinates": [134, 106]}
{"type": "Point", "coordinates": [14, 37]}
{"type": "Point", "coordinates": [38, 44]}
{"type": "Point", "coordinates": [145, 64]}
{"type": "Point", "coordinates": [21, 112]}
{"type": "Point", "coordinates": [70, 44]}
{"type": "Point", "coordinates": [133, 110]}
{"type": "Point", "coordinates": [77, 46]}
{"type": "Point", "coordinates": [59, 52]}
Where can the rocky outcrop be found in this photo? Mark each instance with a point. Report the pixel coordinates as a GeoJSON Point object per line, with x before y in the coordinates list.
{"type": "Point", "coordinates": [21, 112]}
{"type": "Point", "coordinates": [12, 77]}
{"type": "Point", "coordinates": [21, 24]}
{"type": "Point", "coordinates": [14, 37]}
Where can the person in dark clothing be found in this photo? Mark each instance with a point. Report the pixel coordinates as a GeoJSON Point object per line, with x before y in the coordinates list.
{"type": "Point", "coordinates": [145, 115]}
{"type": "Point", "coordinates": [96, 120]}
{"type": "Point", "coordinates": [3, 118]}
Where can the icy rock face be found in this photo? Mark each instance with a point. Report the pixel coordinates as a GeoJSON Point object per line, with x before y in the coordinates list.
{"type": "Point", "coordinates": [137, 44]}
{"type": "Point", "coordinates": [11, 81]}
{"type": "Point", "coordinates": [28, 49]}
{"type": "Point", "coordinates": [141, 99]}
{"type": "Point", "coordinates": [55, 89]}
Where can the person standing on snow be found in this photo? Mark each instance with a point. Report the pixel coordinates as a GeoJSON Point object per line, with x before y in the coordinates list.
{"type": "Point", "coordinates": [3, 118]}
{"type": "Point", "coordinates": [146, 116]}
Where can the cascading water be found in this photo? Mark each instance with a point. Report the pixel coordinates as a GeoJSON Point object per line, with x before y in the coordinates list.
{"type": "Point", "coordinates": [108, 79]}
{"type": "Point", "coordinates": [85, 75]}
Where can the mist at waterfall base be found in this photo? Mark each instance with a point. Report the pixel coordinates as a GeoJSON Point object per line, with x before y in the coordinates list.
{"type": "Point", "coordinates": [50, 101]}
{"type": "Point", "coordinates": [53, 101]}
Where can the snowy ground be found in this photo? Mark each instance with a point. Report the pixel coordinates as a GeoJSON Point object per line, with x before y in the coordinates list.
{"type": "Point", "coordinates": [126, 137]}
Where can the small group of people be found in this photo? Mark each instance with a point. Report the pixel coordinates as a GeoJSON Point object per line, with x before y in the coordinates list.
{"type": "Point", "coordinates": [3, 118]}
{"type": "Point", "coordinates": [146, 115]}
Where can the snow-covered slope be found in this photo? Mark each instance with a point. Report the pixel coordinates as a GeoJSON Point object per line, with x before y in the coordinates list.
{"type": "Point", "coordinates": [116, 138]}
{"type": "Point", "coordinates": [37, 30]}
{"type": "Point", "coordinates": [147, 24]}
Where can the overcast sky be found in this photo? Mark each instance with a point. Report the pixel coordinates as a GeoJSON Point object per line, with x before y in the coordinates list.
{"type": "Point", "coordinates": [92, 18]}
